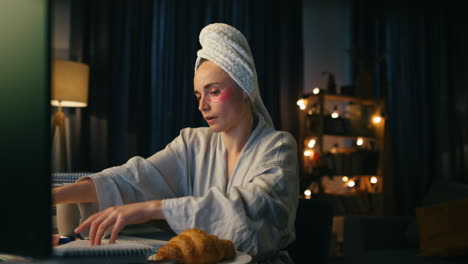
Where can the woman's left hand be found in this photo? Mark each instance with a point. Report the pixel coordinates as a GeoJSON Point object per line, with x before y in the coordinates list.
{"type": "Point", "coordinates": [119, 217]}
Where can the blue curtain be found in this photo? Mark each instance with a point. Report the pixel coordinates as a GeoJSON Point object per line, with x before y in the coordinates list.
{"type": "Point", "coordinates": [142, 56]}
{"type": "Point", "coordinates": [422, 77]}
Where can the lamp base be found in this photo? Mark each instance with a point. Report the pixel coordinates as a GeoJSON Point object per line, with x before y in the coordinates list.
{"type": "Point", "coordinates": [58, 122]}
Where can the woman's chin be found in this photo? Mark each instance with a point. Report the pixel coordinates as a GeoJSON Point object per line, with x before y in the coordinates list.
{"type": "Point", "coordinates": [215, 129]}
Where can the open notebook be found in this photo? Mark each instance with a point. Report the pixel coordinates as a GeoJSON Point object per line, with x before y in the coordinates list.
{"type": "Point", "coordinates": [125, 246]}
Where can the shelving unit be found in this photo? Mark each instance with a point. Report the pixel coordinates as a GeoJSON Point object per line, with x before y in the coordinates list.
{"type": "Point", "coordinates": [342, 142]}
{"type": "Point", "coordinates": [343, 138]}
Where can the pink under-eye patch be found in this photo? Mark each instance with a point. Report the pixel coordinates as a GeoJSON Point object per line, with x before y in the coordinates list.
{"type": "Point", "coordinates": [223, 96]}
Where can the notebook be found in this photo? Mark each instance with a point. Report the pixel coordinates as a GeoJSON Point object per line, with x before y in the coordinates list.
{"type": "Point", "coordinates": [125, 246]}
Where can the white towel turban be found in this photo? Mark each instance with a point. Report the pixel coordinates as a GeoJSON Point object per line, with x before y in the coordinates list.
{"type": "Point", "coordinates": [225, 46]}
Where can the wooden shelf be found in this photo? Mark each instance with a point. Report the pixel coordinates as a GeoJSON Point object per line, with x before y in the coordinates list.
{"type": "Point", "coordinates": [363, 101]}
{"type": "Point", "coordinates": [348, 136]}
{"type": "Point", "coordinates": [345, 98]}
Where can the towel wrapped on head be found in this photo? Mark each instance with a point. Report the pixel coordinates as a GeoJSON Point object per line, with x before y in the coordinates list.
{"type": "Point", "coordinates": [227, 47]}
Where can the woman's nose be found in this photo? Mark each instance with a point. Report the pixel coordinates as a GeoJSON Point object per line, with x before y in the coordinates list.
{"type": "Point", "coordinates": [202, 105]}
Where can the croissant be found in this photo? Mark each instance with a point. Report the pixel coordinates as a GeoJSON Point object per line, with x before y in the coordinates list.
{"type": "Point", "coordinates": [193, 246]}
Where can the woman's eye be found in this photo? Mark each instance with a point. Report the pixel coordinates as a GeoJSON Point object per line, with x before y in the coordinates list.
{"type": "Point", "coordinates": [198, 98]}
{"type": "Point", "coordinates": [214, 93]}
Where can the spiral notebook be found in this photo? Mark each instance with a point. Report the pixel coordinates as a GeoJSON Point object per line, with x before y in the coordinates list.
{"type": "Point", "coordinates": [125, 246]}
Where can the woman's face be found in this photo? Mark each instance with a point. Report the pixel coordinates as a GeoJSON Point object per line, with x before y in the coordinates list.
{"type": "Point", "coordinates": [221, 101]}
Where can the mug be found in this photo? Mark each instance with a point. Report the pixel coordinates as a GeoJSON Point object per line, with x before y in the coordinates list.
{"type": "Point", "coordinates": [68, 218]}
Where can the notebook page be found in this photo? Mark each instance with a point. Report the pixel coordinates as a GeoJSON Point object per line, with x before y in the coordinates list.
{"type": "Point", "coordinates": [124, 246]}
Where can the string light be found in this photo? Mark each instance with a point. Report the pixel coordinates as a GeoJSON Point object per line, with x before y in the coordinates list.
{"type": "Point", "coordinates": [345, 178]}
{"type": "Point", "coordinates": [311, 143]}
{"type": "Point", "coordinates": [316, 90]}
{"type": "Point", "coordinates": [376, 119]}
{"type": "Point", "coordinates": [307, 192]}
{"type": "Point", "coordinates": [373, 180]}
{"type": "Point", "coordinates": [308, 153]}
{"type": "Point", "coordinates": [351, 184]}
{"type": "Point", "coordinates": [334, 149]}
{"type": "Point", "coordinates": [301, 103]}
{"type": "Point", "coordinates": [360, 141]}
{"type": "Point", "coordinates": [335, 113]}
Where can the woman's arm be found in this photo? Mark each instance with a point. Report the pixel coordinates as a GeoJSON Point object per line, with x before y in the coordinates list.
{"type": "Point", "coordinates": [80, 192]}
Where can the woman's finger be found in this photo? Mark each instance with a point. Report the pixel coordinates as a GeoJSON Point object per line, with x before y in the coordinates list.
{"type": "Point", "coordinates": [118, 226]}
{"type": "Point", "coordinates": [92, 228]}
{"type": "Point", "coordinates": [85, 225]}
{"type": "Point", "coordinates": [95, 226]}
{"type": "Point", "coordinates": [104, 226]}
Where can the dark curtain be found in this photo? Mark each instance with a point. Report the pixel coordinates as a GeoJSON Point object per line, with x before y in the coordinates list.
{"type": "Point", "coordinates": [142, 56]}
{"type": "Point", "coordinates": [422, 76]}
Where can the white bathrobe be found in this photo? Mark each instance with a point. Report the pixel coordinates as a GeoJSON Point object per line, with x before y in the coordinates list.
{"type": "Point", "coordinates": [255, 209]}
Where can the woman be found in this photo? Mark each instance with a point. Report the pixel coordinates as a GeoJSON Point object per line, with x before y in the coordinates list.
{"type": "Point", "coordinates": [237, 179]}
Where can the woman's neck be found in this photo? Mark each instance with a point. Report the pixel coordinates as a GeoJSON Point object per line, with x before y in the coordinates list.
{"type": "Point", "coordinates": [235, 139]}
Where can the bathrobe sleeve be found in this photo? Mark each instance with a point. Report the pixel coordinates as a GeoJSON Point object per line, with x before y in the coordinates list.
{"type": "Point", "coordinates": [258, 215]}
{"type": "Point", "coordinates": [163, 175]}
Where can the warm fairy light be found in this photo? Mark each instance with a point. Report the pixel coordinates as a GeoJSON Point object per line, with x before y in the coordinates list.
{"type": "Point", "coordinates": [316, 90]}
{"type": "Point", "coordinates": [373, 180]}
{"type": "Point", "coordinates": [308, 153]}
{"type": "Point", "coordinates": [351, 184]}
{"type": "Point", "coordinates": [335, 112]}
{"type": "Point", "coordinates": [334, 149]}
{"type": "Point", "coordinates": [301, 103]}
{"type": "Point", "coordinates": [307, 192]}
{"type": "Point", "coordinates": [311, 143]}
{"type": "Point", "coordinates": [359, 141]}
{"type": "Point", "coordinates": [376, 119]}
{"type": "Point", "coordinates": [345, 178]}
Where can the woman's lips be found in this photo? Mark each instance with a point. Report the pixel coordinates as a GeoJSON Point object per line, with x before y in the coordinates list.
{"type": "Point", "coordinates": [210, 119]}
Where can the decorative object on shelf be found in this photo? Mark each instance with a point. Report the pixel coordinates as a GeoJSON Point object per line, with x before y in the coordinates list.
{"type": "Point", "coordinates": [336, 125]}
{"type": "Point", "coordinates": [364, 63]}
{"type": "Point", "coordinates": [359, 162]}
{"type": "Point", "coordinates": [347, 90]}
{"type": "Point", "coordinates": [331, 84]}
{"type": "Point", "coordinates": [313, 110]}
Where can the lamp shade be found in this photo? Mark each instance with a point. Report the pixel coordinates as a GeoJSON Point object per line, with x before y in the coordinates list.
{"type": "Point", "coordinates": [69, 84]}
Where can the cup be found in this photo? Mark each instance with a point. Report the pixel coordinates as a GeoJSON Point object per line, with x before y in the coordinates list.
{"type": "Point", "coordinates": [68, 218]}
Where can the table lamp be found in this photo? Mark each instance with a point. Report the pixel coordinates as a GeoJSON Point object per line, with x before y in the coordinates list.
{"type": "Point", "coordinates": [69, 89]}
